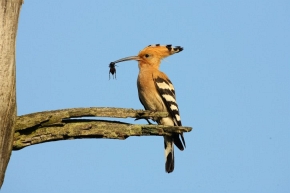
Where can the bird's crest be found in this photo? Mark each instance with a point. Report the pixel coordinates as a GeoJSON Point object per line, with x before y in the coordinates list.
{"type": "Point", "coordinates": [161, 51]}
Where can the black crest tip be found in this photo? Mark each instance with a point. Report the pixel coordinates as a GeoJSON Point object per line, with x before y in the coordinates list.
{"type": "Point", "coordinates": [169, 47]}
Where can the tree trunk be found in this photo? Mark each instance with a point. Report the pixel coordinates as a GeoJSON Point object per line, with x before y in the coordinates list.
{"type": "Point", "coordinates": [9, 13]}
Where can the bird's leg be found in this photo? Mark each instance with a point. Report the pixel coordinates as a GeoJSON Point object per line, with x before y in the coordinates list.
{"type": "Point", "coordinates": [145, 119]}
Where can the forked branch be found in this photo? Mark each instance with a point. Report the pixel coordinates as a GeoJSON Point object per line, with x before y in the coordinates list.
{"type": "Point", "coordinates": [56, 125]}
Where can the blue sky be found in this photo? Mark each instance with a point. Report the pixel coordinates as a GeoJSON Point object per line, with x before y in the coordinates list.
{"type": "Point", "coordinates": [232, 83]}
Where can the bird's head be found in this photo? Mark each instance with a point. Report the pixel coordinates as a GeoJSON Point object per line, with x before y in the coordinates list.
{"type": "Point", "coordinates": [153, 54]}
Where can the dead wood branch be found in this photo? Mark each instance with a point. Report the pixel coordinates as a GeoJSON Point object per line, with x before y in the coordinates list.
{"type": "Point", "coordinates": [61, 125]}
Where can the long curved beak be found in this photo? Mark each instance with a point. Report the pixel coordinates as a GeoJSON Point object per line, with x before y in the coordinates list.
{"type": "Point", "coordinates": [127, 58]}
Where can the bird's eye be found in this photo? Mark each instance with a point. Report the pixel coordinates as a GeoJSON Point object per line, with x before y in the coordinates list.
{"type": "Point", "coordinates": [146, 55]}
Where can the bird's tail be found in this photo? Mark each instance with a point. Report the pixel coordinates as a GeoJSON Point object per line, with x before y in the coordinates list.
{"type": "Point", "coordinates": [169, 154]}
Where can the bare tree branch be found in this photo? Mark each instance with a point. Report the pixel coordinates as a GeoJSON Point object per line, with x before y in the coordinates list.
{"type": "Point", "coordinates": [57, 125]}
{"type": "Point", "coordinates": [56, 116]}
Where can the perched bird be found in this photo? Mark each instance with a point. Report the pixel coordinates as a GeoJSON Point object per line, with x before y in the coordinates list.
{"type": "Point", "coordinates": [156, 93]}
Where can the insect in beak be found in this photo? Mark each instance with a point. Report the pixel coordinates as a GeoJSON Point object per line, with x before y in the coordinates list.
{"type": "Point", "coordinates": [112, 65]}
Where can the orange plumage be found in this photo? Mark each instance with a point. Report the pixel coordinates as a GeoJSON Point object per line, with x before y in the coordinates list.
{"type": "Point", "coordinates": [156, 93]}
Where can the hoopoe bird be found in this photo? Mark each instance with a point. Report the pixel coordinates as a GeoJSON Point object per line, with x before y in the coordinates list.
{"type": "Point", "coordinates": [156, 93]}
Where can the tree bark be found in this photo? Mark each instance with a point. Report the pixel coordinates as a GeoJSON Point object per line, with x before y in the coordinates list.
{"type": "Point", "coordinates": [9, 14]}
{"type": "Point", "coordinates": [62, 124]}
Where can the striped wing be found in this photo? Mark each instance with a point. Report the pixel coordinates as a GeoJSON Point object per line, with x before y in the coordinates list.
{"type": "Point", "coordinates": [166, 91]}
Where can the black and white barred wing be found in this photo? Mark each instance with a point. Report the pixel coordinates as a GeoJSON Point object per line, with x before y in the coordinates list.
{"type": "Point", "coordinates": [166, 91]}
